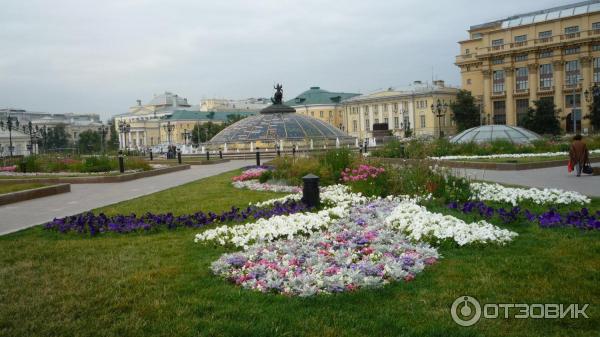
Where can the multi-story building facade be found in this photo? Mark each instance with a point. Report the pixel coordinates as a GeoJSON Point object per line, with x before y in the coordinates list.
{"type": "Point", "coordinates": [322, 104]}
{"type": "Point", "coordinates": [401, 109]}
{"type": "Point", "coordinates": [166, 119]}
{"type": "Point", "coordinates": [74, 123]}
{"type": "Point", "coordinates": [233, 105]}
{"type": "Point", "coordinates": [549, 54]}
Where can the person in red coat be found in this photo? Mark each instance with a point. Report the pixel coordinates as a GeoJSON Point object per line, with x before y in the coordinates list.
{"type": "Point", "coordinates": [578, 154]}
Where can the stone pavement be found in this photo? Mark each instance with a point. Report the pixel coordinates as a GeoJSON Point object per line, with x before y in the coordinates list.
{"type": "Point", "coordinates": [552, 177]}
{"type": "Point", "coordinates": [84, 197]}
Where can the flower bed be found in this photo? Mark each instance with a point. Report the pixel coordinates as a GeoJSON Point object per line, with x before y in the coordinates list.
{"type": "Point", "coordinates": [421, 225]}
{"type": "Point", "coordinates": [583, 219]}
{"type": "Point", "coordinates": [509, 155]}
{"type": "Point", "coordinates": [356, 251]}
{"type": "Point", "coordinates": [337, 199]}
{"type": "Point", "coordinates": [92, 224]}
{"type": "Point", "coordinates": [514, 196]}
{"type": "Point", "coordinates": [251, 173]}
{"type": "Point", "coordinates": [255, 185]}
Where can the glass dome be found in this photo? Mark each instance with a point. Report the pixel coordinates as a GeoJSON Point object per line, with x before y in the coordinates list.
{"type": "Point", "coordinates": [270, 127]}
{"type": "Point", "coordinates": [488, 133]}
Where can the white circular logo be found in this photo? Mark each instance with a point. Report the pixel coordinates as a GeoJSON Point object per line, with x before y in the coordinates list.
{"type": "Point", "coordinates": [465, 311]}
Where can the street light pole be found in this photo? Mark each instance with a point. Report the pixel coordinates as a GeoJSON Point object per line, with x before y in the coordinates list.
{"type": "Point", "coordinates": [103, 130]}
{"type": "Point", "coordinates": [439, 110]}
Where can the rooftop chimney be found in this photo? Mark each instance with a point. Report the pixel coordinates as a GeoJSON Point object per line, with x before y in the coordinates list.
{"type": "Point", "coordinates": [439, 83]}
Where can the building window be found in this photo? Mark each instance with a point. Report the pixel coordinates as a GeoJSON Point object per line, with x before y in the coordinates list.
{"type": "Point", "coordinates": [367, 125]}
{"type": "Point", "coordinates": [545, 34]}
{"type": "Point", "coordinates": [498, 60]}
{"type": "Point", "coordinates": [385, 108]}
{"type": "Point", "coordinates": [395, 107]}
{"type": "Point", "coordinates": [330, 114]}
{"type": "Point", "coordinates": [396, 122]}
{"type": "Point", "coordinates": [596, 47]}
{"type": "Point", "coordinates": [375, 108]}
{"type": "Point", "coordinates": [569, 101]}
{"type": "Point", "coordinates": [544, 54]}
{"type": "Point", "coordinates": [596, 64]}
{"type": "Point", "coordinates": [312, 113]}
{"type": "Point", "coordinates": [546, 80]}
{"type": "Point", "coordinates": [354, 125]}
{"type": "Point", "coordinates": [376, 121]}
{"type": "Point", "coordinates": [468, 81]}
{"type": "Point", "coordinates": [497, 42]}
{"type": "Point", "coordinates": [572, 30]}
{"type": "Point", "coordinates": [572, 73]}
{"type": "Point", "coordinates": [476, 35]}
{"type": "Point", "coordinates": [571, 51]}
{"type": "Point", "coordinates": [520, 38]}
{"type": "Point", "coordinates": [422, 117]}
{"type": "Point", "coordinates": [386, 121]}
{"type": "Point", "coordinates": [467, 51]}
{"type": "Point", "coordinates": [522, 109]}
{"type": "Point", "coordinates": [498, 79]}
{"type": "Point", "coordinates": [499, 112]}
{"type": "Point", "coordinates": [366, 109]}
{"type": "Point", "coordinates": [321, 114]}
{"type": "Point", "coordinates": [522, 77]}
{"type": "Point", "coordinates": [521, 57]}
{"type": "Point", "coordinates": [596, 26]}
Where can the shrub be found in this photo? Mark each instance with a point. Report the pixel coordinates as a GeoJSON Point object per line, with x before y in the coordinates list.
{"type": "Point", "coordinates": [393, 149]}
{"type": "Point", "coordinates": [96, 164]}
{"type": "Point", "coordinates": [334, 161]}
{"type": "Point", "coordinates": [265, 176]}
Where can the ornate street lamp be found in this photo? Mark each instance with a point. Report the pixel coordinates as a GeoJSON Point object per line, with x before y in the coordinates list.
{"type": "Point", "coordinates": [124, 129]}
{"type": "Point", "coordinates": [103, 129]}
{"type": "Point", "coordinates": [169, 128]}
{"type": "Point", "coordinates": [439, 110]}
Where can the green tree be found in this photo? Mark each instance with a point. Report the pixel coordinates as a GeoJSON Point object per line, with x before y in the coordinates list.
{"type": "Point", "coordinates": [89, 142]}
{"type": "Point", "coordinates": [58, 138]}
{"type": "Point", "coordinates": [113, 140]}
{"type": "Point", "coordinates": [466, 113]}
{"type": "Point", "coordinates": [206, 131]}
{"type": "Point", "coordinates": [210, 115]}
{"type": "Point", "coordinates": [594, 115]}
{"type": "Point", "coordinates": [542, 119]}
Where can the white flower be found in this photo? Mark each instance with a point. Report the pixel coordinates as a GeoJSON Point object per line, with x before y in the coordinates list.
{"type": "Point", "coordinates": [514, 195]}
{"type": "Point", "coordinates": [509, 155]}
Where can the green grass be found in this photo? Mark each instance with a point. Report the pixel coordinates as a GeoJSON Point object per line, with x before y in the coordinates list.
{"type": "Point", "coordinates": [8, 188]}
{"type": "Point", "coordinates": [160, 284]}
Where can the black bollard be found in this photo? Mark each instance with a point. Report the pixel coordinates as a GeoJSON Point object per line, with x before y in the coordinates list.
{"type": "Point", "coordinates": [278, 152]}
{"type": "Point", "coordinates": [220, 154]}
{"type": "Point", "coordinates": [207, 155]}
{"type": "Point", "coordinates": [151, 157]}
{"type": "Point", "coordinates": [294, 151]}
{"type": "Point", "coordinates": [310, 191]}
{"type": "Point", "coordinates": [179, 156]}
{"type": "Point", "coordinates": [257, 158]}
{"type": "Point", "coordinates": [121, 162]}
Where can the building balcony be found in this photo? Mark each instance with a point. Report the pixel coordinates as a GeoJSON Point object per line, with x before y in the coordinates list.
{"type": "Point", "coordinates": [545, 91]}
{"type": "Point", "coordinates": [543, 40]}
{"type": "Point", "coordinates": [594, 32]}
{"type": "Point", "coordinates": [521, 92]}
{"type": "Point", "coordinates": [498, 94]}
{"type": "Point", "coordinates": [570, 36]}
{"type": "Point", "coordinates": [571, 87]}
{"type": "Point", "coordinates": [516, 45]}
{"type": "Point", "coordinates": [464, 58]}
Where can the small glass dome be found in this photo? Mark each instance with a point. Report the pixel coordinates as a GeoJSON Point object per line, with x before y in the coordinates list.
{"type": "Point", "coordinates": [488, 133]}
{"type": "Point", "coordinates": [269, 127]}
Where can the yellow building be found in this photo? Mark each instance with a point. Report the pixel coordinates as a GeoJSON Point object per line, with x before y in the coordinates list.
{"type": "Point", "coordinates": [166, 120]}
{"type": "Point", "coordinates": [401, 109]}
{"type": "Point", "coordinates": [548, 54]}
{"type": "Point", "coordinates": [321, 104]}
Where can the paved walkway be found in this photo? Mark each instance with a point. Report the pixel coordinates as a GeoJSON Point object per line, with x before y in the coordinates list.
{"type": "Point", "coordinates": [84, 197]}
{"type": "Point", "coordinates": [552, 177]}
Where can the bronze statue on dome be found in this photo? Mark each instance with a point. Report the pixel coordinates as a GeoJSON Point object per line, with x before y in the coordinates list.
{"type": "Point", "coordinates": [278, 97]}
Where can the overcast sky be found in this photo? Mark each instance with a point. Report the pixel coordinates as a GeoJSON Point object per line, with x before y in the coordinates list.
{"type": "Point", "coordinates": [100, 56]}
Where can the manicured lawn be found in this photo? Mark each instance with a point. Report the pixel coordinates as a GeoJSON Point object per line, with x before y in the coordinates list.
{"type": "Point", "coordinates": [8, 188]}
{"type": "Point", "coordinates": [160, 284]}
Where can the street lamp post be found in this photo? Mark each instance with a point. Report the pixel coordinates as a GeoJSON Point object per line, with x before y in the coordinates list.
{"type": "Point", "coordinates": [124, 129]}
{"type": "Point", "coordinates": [439, 110]}
{"type": "Point", "coordinates": [169, 128]}
{"type": "Point", "coordinates": [103, 130]}
{"type": "Point", "coordinates": [31, 130]}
